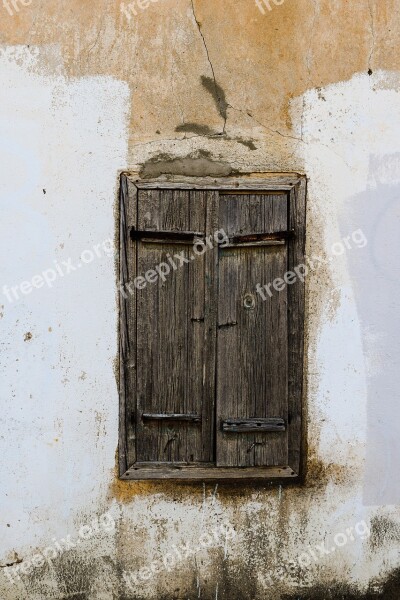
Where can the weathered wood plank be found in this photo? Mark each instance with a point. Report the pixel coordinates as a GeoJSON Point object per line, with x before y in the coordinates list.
{"type": "Point", "coordinates": [208, 473]}
{"type": "Point", "coordinates": [165, 237]}
{"type": "Point", "coordinates": [123, 331]}
{"type": "Point", "coordinates": [127, 304]}
{"type": "Point", "coordinates": [296, 304]}
{"type": "Point", "coordinates": [253, 425]}
{"type": "Point", "coordinates": [171, 327]}
{"type": "Point", "coordinates": [252, 355]}
{"type": "Point", "coordinates": [171, 417]}
{"type": "Point", "coordinates": [230, 185]}
{"type": "Point", "coordinates": [255, 244]}
{"type": "Point", "coordinates": [210, 325]}
{"type": "Point", "coordinates": [277, 236]}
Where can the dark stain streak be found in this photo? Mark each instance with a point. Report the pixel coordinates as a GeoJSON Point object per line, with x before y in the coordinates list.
{"type": "Point", "coordinates": [217, 93]}
{"type": "Point", "coordinates": [76, 574]}
{"type": "Point", "coordinates": [318, 473]}
{"type": "Point", "coordinates": [388, 590]}
{"type": "Point", "coordinates": [250, 145]}
{"type": "Point", "coordinates": [79, 577]}
{"type": "Point", "coordinates": [195, 128]}
{"type": "Point", "coordinates": [206, 131]}
{"type": "Point", "coordinates": [383, 532]}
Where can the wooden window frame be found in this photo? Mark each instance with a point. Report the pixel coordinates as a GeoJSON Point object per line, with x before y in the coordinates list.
{"type": "Point", "coordinates": [295, 186]}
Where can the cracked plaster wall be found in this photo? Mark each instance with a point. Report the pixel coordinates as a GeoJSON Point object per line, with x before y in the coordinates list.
{"type": "Point", "coordinates": [196, 87]}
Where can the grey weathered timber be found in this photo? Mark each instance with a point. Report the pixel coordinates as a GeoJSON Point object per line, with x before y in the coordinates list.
{"type": "Point", "coordinates": [211, 376]}
{"type": "Point", "coordinates": [296, 308]}
{"type": "Point", "coordinates": [207, 472]}
{"type": "Point", "coordinates": [252, 356]}
{"type": "Point", "coordinates": [278, 236]}
{"type": "Point", "coordinates": [171, 417]}
{"type": "Point", "coordinates": [232, 185]}
{"type": "Point", "coordinates": [211, 321]}
{"type": "Point", "coordinates": [172, 325]}
{"type": "Point", "coordinates": [127, 302]}
{"type": "Point", "coordinates": [253, 425]}
{"type": "Point", "coordinates": [123, 331]}
{"type": "Point", "coordinates": [255, 244]}
{"type": "Point", "coordinates": [157, 237]}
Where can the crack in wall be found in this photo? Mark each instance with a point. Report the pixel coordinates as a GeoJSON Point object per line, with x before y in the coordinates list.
{"type": "Point", "coordinates": [309, 50]}
{"type": "Point", "coordinates": [216, 87]}
{"type": "Point", "coordinates": [372, 28]}
{"type": "Point", "coordinates": [247, 113]}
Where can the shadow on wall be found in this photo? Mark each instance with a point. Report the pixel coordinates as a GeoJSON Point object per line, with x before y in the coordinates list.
{"type": "Point", "coordinates": [376, 285]}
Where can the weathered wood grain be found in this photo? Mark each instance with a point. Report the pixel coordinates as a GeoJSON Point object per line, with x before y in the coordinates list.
{"type": "Point", "coordinates": [230, 185]}
{"type": "Point", "coordinates": [157, 237]}
{"type": "Point", "coordinates": [127, 305]}
{"type": "Point", "coordinates": [252, 355]}
{"type": "Point", "coordinates": [123, 331]}
{"type": "Point", "coordinates": [253, 425]}
{"type": "Point", "coordinates": [171, 325]}
{"type": "Point", "coordinates": [296, 306]}
{"type": "Point", "coordinates": [210, 330]}
{"type": "Point", "coordinates": [207, 473]}
{"type": "Point", "coordinates": [171, 417]}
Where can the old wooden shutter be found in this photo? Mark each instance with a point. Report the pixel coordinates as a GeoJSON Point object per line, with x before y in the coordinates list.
{"type": "Point", "coordinates": [175, 324]}
{"type": "Point", "coordinates": [211, 371]}
{"type": "Point", "coordinates": [252, 390]}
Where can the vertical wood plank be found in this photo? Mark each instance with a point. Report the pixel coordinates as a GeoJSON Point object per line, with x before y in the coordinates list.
{"type": "Point", "coordinates": [296, 300]}
{"type": "Point", "coordinates": [252, 343]}
{"type": "Point", "coordinates": [127, 304]}
{"type": "Point", "coordinates": [171, 325]}
{"type": "Point", "coordinates": [210, 326]}
{"type": "Point", "coordinates": [195, 356]}
{"type": "Point", "coordinates": [123, 330]}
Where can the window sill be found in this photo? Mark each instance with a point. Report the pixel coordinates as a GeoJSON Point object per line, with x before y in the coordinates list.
{"type": "Point", "coordinates": [136, 472]}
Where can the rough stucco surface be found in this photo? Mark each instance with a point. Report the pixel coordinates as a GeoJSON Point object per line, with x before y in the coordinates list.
{"type": "Point", "coordinates": [212, 88]}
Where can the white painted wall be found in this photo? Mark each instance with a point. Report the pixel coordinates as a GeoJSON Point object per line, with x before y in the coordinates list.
{"type": "Point", "coordinates": [58, 390]}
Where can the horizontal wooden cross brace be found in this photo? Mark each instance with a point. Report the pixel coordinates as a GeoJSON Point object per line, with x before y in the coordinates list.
{"type": "Point", "coordinates": [253, 425]}
{"type": "Point", "coordinates": [172, 417]}
{"type": "Point", "coordinates": [165, 237]}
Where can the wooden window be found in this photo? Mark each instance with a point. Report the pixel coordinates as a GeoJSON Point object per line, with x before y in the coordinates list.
{"type": "Point", "coordinates": [210, 368]}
